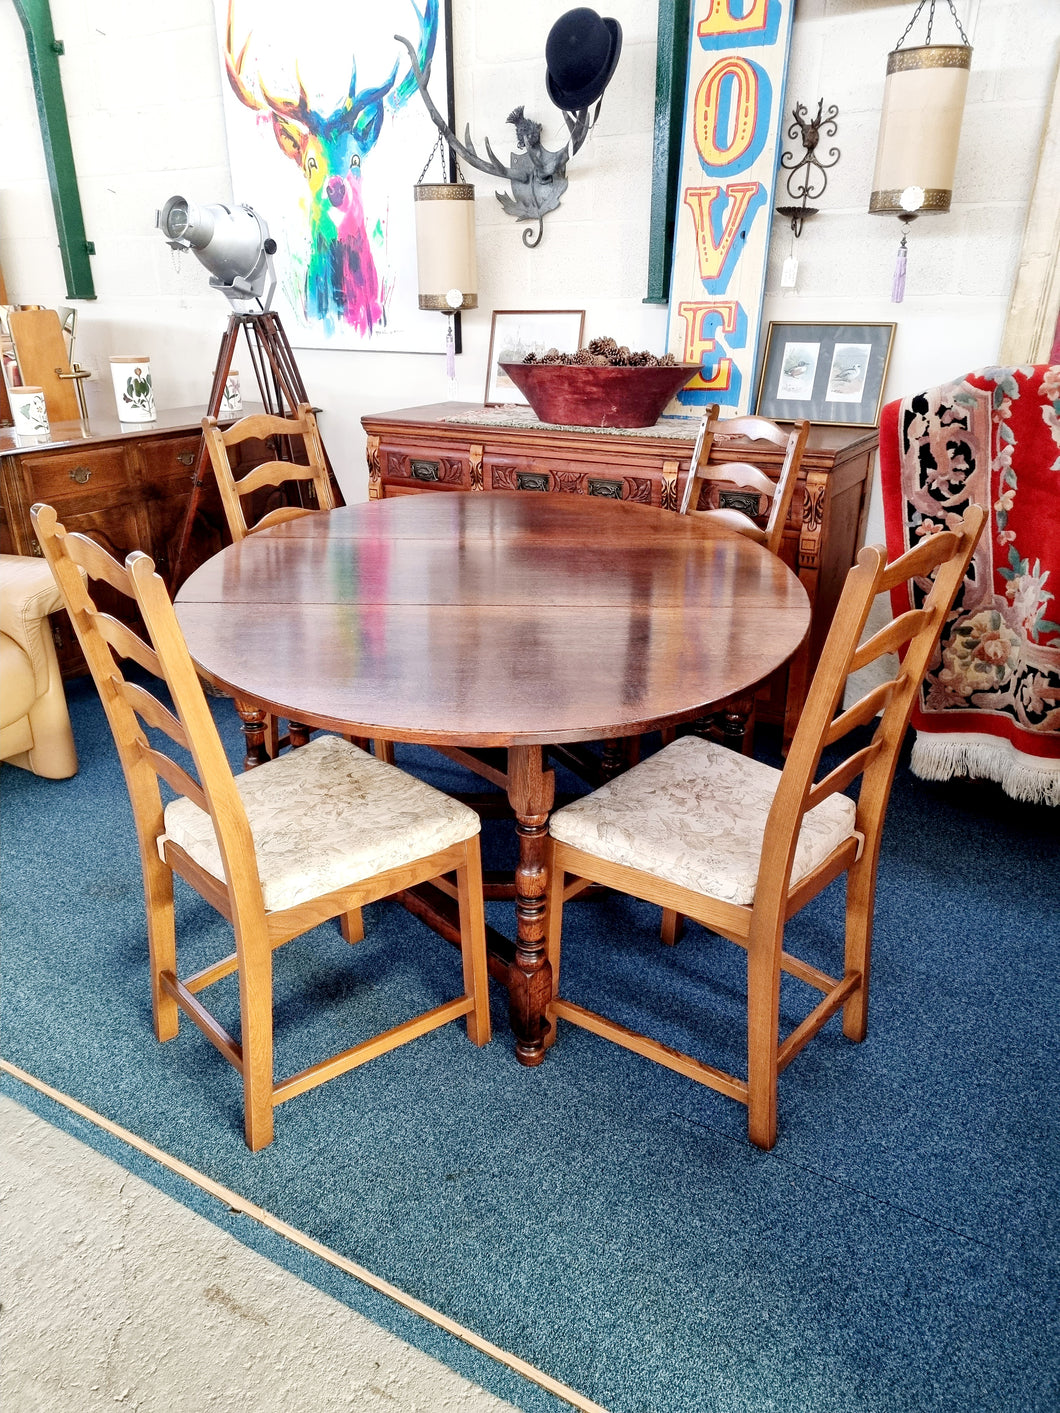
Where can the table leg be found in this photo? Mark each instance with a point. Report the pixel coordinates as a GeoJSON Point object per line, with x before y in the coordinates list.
{"type": "Point", "coordinates": [255, 728]}
{"type": "Point", "coordinates": [531, 790]}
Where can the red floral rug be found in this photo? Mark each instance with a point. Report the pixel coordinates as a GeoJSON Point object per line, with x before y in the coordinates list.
{"type": "Point", "coordinates": [990, 704]}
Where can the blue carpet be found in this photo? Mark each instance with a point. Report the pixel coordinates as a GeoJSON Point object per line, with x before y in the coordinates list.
{"type": "Point", "coordinates": [602, 1218]}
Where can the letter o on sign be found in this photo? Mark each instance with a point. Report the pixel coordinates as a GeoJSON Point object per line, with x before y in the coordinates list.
{"type": "Point", "coordinates": [726, 113]}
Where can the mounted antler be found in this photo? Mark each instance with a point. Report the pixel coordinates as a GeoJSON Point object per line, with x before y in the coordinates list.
{"type": "Point", "coordinates": [537, 175]}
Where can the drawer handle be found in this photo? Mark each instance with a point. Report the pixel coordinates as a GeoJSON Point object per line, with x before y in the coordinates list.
{"type": "Point", "coordinates": [80, 474]}
{"type": "Point", "coordinates": [424, 470]}
{"type": "Point", "coordinates": [531, 480]}
{"type": "Point", "coordinates": [186, 458]}
{"type": "Point", "coordinates": [610, 490]}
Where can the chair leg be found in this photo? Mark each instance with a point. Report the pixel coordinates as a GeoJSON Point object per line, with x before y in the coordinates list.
{"type": "Point", "coordinates": [255, 1015]}
{"type": "Point", "coordinates": [352, 925]}
{"type": "Point", "coordinates": [763, 1022]}
{"type": "Point", "coordinates": [861, 898]}
{"type": "Point", "coordinates": [161, 942]}
{"type": "Point", "coordinates": [384, 750]}
{"type": "Point", "coordinates": [673, 926]}
{"type": "Point", "coordinates": [473, 941]}
{"type": "Point", "coordinates": [272, 737]}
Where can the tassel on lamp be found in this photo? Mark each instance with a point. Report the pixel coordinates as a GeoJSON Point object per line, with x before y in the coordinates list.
{"type": "Point", "coordinates": [445, 256]}
{"type": "Point", "coordinates": [920, 128]}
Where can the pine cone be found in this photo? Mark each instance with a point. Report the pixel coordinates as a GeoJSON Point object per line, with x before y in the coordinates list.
{"type": "Point", "coordinates": [553, 355]}
{"type": "Point", "coordinates": [603, 344]}
{"type": "Point", "coordinates": [620, 357]}
{"type": "Point", "coordinates": [667, 361]}
{"type": "Point", "coordinates": [582, 358]}
{"type": "Point", "coordinates": [531, 357]}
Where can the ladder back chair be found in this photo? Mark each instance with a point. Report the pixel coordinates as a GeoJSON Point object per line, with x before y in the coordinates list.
{"type": "Point", "coordinates": [733, 720]}
{"type": "Point", "coordinates": [702, 468]}
{"type": "Point", "coordinates": [740, 846]}
{"type": "Point", "coordinates": [277, 430]}
{"type": "Point", "coordinates": [310, 836]}
{"type": "Point", "coordinates": [270, 473]}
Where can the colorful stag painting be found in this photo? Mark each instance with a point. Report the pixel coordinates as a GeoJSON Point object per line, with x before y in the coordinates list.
{"type": "Point", "coordinates": [327, 135]}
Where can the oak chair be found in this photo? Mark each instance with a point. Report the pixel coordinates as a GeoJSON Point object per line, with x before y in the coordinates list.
{"type": "Point", "coordinates": [702, 468]}
{"type": "Point", "coordinates": [740, 846]}
{"type": "Point", "coordinates": [277, 430]}
{"type": "Point", "coordinates": [270, 473]}
{"type": "Point", "coordinates": [733, 720]}
{"type": "Point", "coordinates": [309, 836]}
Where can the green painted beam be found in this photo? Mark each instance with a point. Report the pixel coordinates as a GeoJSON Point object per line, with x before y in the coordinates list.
{"type": "Point", "coordinates": [671, 69]}
{"type": "Point", "coordinates": [44, 50]}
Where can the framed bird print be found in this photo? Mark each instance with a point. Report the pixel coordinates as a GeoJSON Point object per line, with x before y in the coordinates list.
{"type": "Point", "coordinates": [824, 372]}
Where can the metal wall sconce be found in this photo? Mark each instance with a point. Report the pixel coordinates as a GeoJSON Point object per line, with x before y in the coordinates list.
{"type": "Point", "coordinates": [814, 179]}
{"type": "Point", "coordinates": [581, 53]}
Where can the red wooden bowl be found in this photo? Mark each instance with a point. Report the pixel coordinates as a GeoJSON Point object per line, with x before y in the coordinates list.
{"type": "Point", "coordinates": [576, 396]}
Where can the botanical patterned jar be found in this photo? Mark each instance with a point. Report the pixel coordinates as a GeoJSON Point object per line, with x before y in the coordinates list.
{"type": "Point", "coordinates": [29, 413]}
{"type": "Point", "coordinates": [133, 390]}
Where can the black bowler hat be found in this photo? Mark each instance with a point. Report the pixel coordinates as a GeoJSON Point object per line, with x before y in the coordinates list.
{"type": "Point", "coordinates": [581, 52]}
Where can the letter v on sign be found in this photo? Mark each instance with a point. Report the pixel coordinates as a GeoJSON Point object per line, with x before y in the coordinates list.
{"type": "Point", "coordinates": [716, 245]}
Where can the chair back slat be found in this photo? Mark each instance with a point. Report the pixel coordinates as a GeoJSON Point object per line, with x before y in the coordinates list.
{"type": "Point", "coordinates": [150, 709]}
{"type": "Point", "coordinates": [862, 712]}
{"type": "Point", "coordinates": [127, 643]}
{"type": "Point", "coordinates": [176, 777]}
{"type": "Point", "coordinates": [889, 639]}
{"type": "Point", "coordinates": [704, 467]}
{"type": "Point", "coordinates": [843, 774]}
{"type": "Point", "coordinates": [271, 473]}
{"type": "Point", "coordinates": [947, 555]}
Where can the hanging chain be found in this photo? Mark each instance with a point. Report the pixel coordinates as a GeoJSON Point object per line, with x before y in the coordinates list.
{"type": "Point", "coordinates": [430, 158]}
{"type": "Point", "coordinates": [439, 147]}
{"type": "Point", "coordinates": [931, 21]}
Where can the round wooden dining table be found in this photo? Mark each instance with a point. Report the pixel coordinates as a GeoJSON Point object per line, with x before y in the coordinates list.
{"type": "Point", "coordinates": [515, 620]}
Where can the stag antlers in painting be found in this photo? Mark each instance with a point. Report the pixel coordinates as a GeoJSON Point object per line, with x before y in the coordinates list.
{"type": "Point", "coordinates": [342, 280]}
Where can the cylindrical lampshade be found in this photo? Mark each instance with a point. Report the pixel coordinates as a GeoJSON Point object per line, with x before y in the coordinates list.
{"type": "Point", "coordinates": [920, 127]}
{"type": "Point", "coordinates": [445, 245]}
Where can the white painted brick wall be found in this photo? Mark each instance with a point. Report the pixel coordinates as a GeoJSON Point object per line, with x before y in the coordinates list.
{"type": "Point", "coordinates": [143, 91]}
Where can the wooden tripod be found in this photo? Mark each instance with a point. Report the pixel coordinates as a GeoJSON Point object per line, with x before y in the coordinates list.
{"type": "Point", "coordinates": [281, 388]}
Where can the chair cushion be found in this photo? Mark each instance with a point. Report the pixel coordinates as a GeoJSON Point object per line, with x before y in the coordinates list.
{"type": "Point", "coordinates": [694, 814]}
{"type": "Point", "coordinates": [324, 816]}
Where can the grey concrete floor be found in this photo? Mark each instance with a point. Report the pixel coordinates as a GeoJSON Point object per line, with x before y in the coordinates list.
{"type": "Point", "coordinates": [114, 1295]}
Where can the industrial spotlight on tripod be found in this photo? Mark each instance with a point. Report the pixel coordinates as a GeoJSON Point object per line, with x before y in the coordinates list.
{"type": "Point", "coordinates": [234, 244]}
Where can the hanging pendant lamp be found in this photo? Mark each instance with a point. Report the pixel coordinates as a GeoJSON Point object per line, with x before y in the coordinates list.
{"type": "Point", "coordinates": [445, 256]}
{"type": "Point", "coordinates": [920, 128]}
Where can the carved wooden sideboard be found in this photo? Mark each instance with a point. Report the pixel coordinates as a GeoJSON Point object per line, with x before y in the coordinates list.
{"type": "Point", "coordinates": [458, 446]}
{"type": "Point", "coordinates": [126, 487]}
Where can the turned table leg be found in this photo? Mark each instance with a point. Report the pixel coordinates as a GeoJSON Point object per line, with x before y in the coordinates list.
{"type": "Point", "coordinates": [531, 790]}
{"type": "Point", "coordinates": [255, 729]}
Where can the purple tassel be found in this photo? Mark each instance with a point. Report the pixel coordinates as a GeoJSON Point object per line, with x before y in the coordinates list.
{"type": "Point", "coordinates": [898, 286]}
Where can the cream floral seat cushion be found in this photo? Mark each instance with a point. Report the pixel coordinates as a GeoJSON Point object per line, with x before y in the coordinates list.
{"type": "Point", "coordinates": [695, 814]}
{"type": "Point", "coordinates": [325, 816]}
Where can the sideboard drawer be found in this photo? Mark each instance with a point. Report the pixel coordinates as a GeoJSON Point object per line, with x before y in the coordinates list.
{"type": "Point", "coordinates": [170, 459]}
{"type": "Point", "coordinates": [72, 476]}
{"type": "Point", "coordinates": [503, 472]}
{"type": "Point", "coordinates": [428, 467]}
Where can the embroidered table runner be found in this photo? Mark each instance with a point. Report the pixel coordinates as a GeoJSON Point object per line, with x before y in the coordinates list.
{"type": "Point", "coordinates": [990, 704]}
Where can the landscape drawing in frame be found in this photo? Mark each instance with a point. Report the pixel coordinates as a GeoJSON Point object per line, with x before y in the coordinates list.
{"type": "Point", "coordinates": [327, 135]}
{"type": "Point", "coordinates": [824, 372]}
{"type": "Point", "coordinates": [516, 332]}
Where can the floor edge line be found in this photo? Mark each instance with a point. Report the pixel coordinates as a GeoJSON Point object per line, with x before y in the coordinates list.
{"type": "Point", "coordinates": [241, 1204]}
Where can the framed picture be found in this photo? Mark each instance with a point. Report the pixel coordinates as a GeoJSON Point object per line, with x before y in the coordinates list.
{"type": "Point", "coordinates": [824, 372]}
{"type": "Point", "coordinates": [326, 132]}
{"type": "Point", "coordinates": [516, 332]}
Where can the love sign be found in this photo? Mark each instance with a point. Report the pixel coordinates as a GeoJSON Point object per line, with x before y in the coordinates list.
{"type": "Point", "coordinates": [730, 146]}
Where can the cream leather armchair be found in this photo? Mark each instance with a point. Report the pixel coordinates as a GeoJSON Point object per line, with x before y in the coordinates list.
{"type": "Point", "coordinates": [34, 722]}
